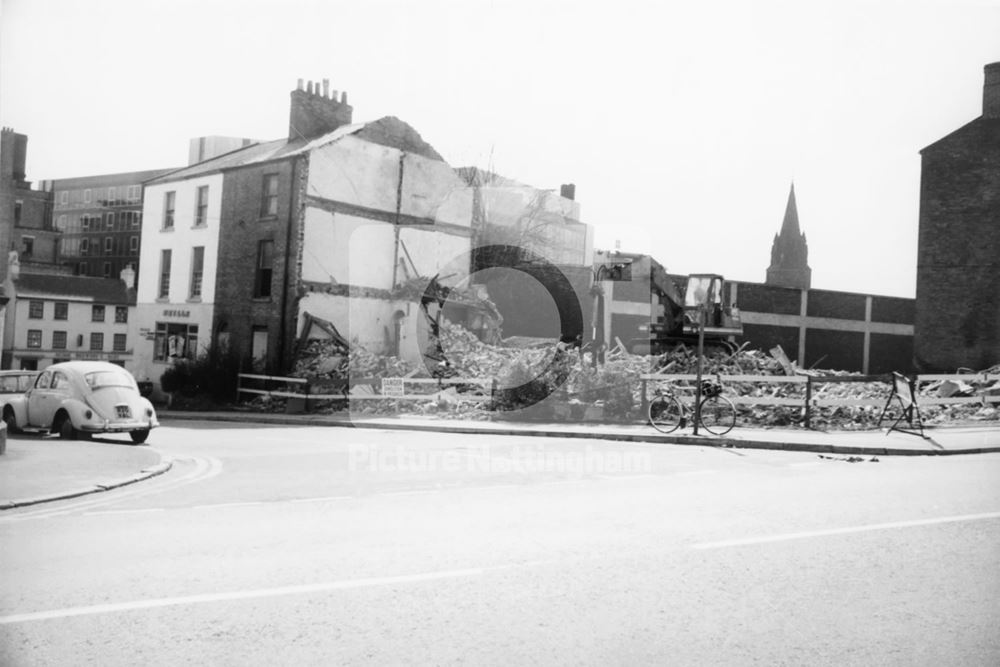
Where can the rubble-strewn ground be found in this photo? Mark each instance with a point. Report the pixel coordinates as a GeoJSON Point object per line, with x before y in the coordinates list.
{"type": "Point", "coordinates": [612, 391]}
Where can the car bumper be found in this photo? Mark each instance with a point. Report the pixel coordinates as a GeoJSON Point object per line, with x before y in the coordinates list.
{"type": "Point", "coordinates": [118, 427]}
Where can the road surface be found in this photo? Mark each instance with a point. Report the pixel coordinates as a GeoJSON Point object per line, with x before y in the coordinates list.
{"type": "Point", "coordinates": [320, 546]}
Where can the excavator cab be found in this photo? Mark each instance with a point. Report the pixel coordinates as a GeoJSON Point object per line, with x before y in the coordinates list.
{"type": "Point", "coordinates": [706, 294]}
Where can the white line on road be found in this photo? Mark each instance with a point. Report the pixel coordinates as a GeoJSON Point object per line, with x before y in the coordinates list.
{"type": "Point", "coordinates": [241, 595]}
{"type": "Point", "coordinates": [136, 511]}
{"type": "Point", "coordinates": [844, 531]}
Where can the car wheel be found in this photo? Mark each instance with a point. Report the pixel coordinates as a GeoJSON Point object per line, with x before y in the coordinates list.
{"type": "Point", "coordinates": [139, 437]}
{"type": "Point", "coordinates": [10, 420]}
{"type": "Point", "coordinates": [66, 430]}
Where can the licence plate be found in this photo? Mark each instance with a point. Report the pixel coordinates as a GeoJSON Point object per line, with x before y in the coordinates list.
{"type": "Point", "coordinates": [123, 412]}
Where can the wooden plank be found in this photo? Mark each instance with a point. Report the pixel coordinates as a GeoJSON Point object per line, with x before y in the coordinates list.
{"type": "Point", "coordinates": [766, 400]}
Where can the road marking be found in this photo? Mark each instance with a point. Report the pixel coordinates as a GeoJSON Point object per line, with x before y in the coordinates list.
{"type": "Point", "coordinates": [157, 603]}
{"type": "Point", "coordinates": [319, 500]}
{"type": "Point", "coordinates": [204, 468]}
{"type": "Point", "coordinates": [844, 531]}
{"type": "Point", "coordinates": [136, 511]}
{"type": "Point", "coordinates": [245, 503]}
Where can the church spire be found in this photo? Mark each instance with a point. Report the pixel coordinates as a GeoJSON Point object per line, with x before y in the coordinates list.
{"type": "Point", "coordinates": [789, 251]}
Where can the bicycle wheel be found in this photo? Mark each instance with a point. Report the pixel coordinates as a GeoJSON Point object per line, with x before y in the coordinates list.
{"type": "Point", "coordinates": [666, 414]}
{"type": "Point", "coordinates": [718, 415]}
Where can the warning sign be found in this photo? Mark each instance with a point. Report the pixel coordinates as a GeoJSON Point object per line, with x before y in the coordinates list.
{"type": "Point", "coordinates": [392, 386]}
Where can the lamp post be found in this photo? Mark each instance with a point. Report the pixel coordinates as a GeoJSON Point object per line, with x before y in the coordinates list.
{"type": "Point", "coordinates": [701, 351]}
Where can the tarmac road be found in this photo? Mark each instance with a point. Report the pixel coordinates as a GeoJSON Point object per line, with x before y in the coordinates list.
{"type": "Point", "coordinates": [279, 545]}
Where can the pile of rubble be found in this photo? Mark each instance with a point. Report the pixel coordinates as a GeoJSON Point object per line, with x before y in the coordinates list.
{"type": "Point", "coordinates": [614, 384]}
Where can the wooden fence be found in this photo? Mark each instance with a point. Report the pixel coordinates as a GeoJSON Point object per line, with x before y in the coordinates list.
{"type": "Point", "coordinates": [809, 400]}
{"type": "Point", "coordinates": [364, 389]}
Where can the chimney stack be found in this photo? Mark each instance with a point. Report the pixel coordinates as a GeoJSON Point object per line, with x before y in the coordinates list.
{"type": "Point", "coordinates": [315, 112]}
{"type": "Point", "coordinates": [991, 91]}
{"type": "Point", "coordinates": [567, 190]}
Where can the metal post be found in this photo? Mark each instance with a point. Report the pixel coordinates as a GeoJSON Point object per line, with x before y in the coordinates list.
{"type": "Point", "coordinates": [809, 391]}
{"type": "Point", "coordinates": [645, 399]}
{"type": "Point", "coordinates": [701, 350]}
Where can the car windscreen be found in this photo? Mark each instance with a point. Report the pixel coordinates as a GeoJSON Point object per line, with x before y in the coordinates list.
{"type": "Point", "coordinates": [101, 379]}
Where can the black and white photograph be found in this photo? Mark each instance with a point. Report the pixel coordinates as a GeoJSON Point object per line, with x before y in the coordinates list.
{"type": "Point", "coordinates": [499, 332]}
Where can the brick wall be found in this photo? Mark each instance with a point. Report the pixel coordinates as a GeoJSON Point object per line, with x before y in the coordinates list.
{"type": "Point", "coordinates": [242, 228]}
{"type": "Point", "coordinates": [957, 319]}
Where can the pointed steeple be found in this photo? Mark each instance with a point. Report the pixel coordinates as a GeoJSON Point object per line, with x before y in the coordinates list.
{"type": "Point", "coordinates": [790, 225]}
{"type": "Point", "coordinates": [789, 251]}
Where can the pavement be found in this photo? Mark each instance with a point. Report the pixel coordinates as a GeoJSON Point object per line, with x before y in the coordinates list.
{"type": "Point", "coordinates": [38, 469]}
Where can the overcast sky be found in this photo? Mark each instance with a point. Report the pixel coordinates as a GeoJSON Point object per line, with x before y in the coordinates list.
{"type": "Point", "coordinates": [682, 124]}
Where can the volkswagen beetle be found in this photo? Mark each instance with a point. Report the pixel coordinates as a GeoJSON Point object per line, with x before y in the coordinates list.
{"type": "Point", "coordinates": [81, 398]}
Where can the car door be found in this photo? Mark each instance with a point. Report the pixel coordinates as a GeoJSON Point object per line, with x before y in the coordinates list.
{"type": "Point", "coordinates": [40, 401]}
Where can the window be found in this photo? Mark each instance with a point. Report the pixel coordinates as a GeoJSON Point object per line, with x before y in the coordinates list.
{"type": "Point", "coordinates": [169, 201]}
{"type": "Point", "coordinates": [164, 291]}
{"type": "Point", "coordinates": [61, 224]}
{"type": "Point", "coordinates": [118, 345]}
{"type": "Point", "coordinates": [133, 193]}
{"type": "Point", "coordinates": [86, 196]}
{"type": "Point", "coordinates": [175, 341]}
{"type": "Point", "coordinates": [36, 310]}
{"type": "Point", "coordinates": [269, 200]}
{"type": "Point", "coordinates": [130, 220]}
{"type": "Point", "coordinates": [201, 207]}
{"type": "Point", "coordinates": [133, 244]}
{"type": "Point", "coordinates": [197, 269]}
{"type": "Point", "coordinates": [262, 278]}
{"type": "Point", "coordinates": [34, 338]}
{"type": "Point", "coordinates": [85, 222]}
{"type": "Point", "coordinates": [81, 269]}
{"type": "Point", "coordinates": [17, 213]}
{"type": "Point", "coordinates": [97, 313]}
{"type": "Point", "coordinates": [84, 246]}
{"type": "Point", "coordinates": [109, 221]}
{"type": "Point", "coordinates": [258, 347]}
{"type": "Point", "coordinates": [97, 342]}
{"type": "Point", "coordinates": [61, 310]}
{"type": "Point", "coordinates": [64, 197]}
{"type": "Point", "coordinates": [27, 246]}
{"type": "Point", "coordinates": [108, 245]}
{"type": "Point", "coordinates": [107, 269]}
{"type": "Point", "coordinates": [121, 314]}
{"type": "Point", "coordinates": [58, 340]}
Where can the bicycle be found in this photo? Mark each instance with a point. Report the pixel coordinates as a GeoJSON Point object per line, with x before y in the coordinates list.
{"type": "Point", "coordinates": [667, 413]}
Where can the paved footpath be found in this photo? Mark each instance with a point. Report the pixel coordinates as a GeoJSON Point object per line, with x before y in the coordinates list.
{"type": "Point", "coordinates": [966, 439]}
{"type": "Point", "coordinates": [37, 469]}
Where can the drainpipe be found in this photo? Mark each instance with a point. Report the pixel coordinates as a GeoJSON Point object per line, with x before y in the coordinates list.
{"type": "Point", "coordinates": [399, 208]}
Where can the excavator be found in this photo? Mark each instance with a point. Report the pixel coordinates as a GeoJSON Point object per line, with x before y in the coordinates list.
{"type": "Point", "coordinates": [676, 319]}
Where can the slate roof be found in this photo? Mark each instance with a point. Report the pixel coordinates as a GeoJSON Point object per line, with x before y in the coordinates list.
{"type": "Point", "coordinates": [100, 290]}
{"type": "Point", "coordinates": [387, 131]}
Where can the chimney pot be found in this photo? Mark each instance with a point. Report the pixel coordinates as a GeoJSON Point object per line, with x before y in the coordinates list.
{"type": "Point", "coordinates": [343, 97]}
{"type": "Point", "coordinates": [567, 190]}
{"type": "Point", "coordinates": [326, 88]}
{"type": "Point", "coordinates": [300, 85]}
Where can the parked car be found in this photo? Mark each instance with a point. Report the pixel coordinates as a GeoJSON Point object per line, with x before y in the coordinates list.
{"type": "Point", "coordinates": [13, 384]}
{"type": "Point", "coordinates": [81, 398]}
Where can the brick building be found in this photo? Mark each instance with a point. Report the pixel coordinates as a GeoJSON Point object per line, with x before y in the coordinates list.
{"type": "Point", "coordinates": [25, 213]}
{"type": "Point", "coordinates": [52, 318]}
{"type": "Point", "coordinates": [957, 321]}
{"type": "Point", "coordinates": [325, 223]}
{"type": "Point", "coordinates": [864, 333]}
{"type": "Point", "coordinates": [100, 218]}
